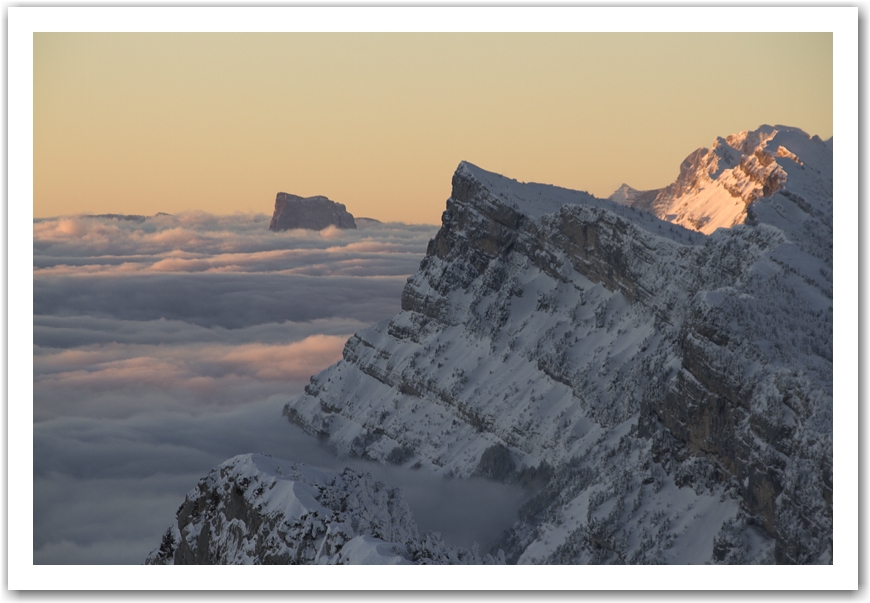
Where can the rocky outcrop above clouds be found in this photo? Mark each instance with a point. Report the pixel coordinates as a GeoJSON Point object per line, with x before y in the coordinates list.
{"type": "Point", "coordinates": [314, 213]}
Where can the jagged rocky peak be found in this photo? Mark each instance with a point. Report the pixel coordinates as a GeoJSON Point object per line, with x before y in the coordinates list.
{"type": "Point", "coordinates": [715, 186]}
{"type": "Point", "coordinates": [670, 393]}
{"type": "Point", "coordinates": [255, 509]}
{"type": "Point", "coordinates": [314, 213]}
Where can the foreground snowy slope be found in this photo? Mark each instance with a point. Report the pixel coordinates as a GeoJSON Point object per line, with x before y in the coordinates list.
{"type": "Point", "coordinates": [669, 393]}
{"type": "Point", "coordinates": [254, 509]}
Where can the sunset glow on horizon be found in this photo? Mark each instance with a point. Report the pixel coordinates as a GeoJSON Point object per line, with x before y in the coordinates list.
{"type": "Point", "coordinates": [144, 123]}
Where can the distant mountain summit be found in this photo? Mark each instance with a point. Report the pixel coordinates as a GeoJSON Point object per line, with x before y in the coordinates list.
{"type": "Point", "coordinates": [124, 217]}
{"type": "Point", "coordinates": [716, 185]}
{"type": "Point", "coordinates": [313, 213]}
{"type": "Point", "coordinates": [625, 195]}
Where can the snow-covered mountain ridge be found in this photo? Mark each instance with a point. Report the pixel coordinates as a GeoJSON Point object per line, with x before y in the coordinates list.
{"type": "Point", "coordinates": [716, 185]}
{"type": "Point", "coordinates": [552, 334]}
{"type": "Point", "coordinates": [665, 394]}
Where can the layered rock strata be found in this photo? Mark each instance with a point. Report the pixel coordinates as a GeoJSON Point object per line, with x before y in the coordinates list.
{"type": "Point", "coordinates": [671, 392]}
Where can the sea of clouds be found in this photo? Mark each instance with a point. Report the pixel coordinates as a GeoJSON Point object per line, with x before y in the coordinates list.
{"type": "Point", "coordinates": [165, 345]}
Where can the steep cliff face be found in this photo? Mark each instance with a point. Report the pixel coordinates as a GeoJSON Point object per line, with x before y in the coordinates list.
{"type": "Point", "coordinates": [672, 390]}
{"type": "Point", "coordinates": [314, 213]}
{"type": "Point", "coordinates": [254, 509]}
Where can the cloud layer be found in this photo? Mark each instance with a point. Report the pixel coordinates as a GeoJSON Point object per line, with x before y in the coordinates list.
{"type": "Point", "coordinates": [164, 345]}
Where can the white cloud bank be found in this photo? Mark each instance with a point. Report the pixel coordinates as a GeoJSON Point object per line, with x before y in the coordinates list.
{"type": "Point", "coordinates": [164, 345]}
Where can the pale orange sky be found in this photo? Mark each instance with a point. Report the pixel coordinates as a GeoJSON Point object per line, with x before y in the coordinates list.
{"type": "Point", "coordinates": [141, 123]}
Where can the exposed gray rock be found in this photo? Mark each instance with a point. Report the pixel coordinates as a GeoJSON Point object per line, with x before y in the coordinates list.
{"type": "Point", "coordinates": [313, 213]}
